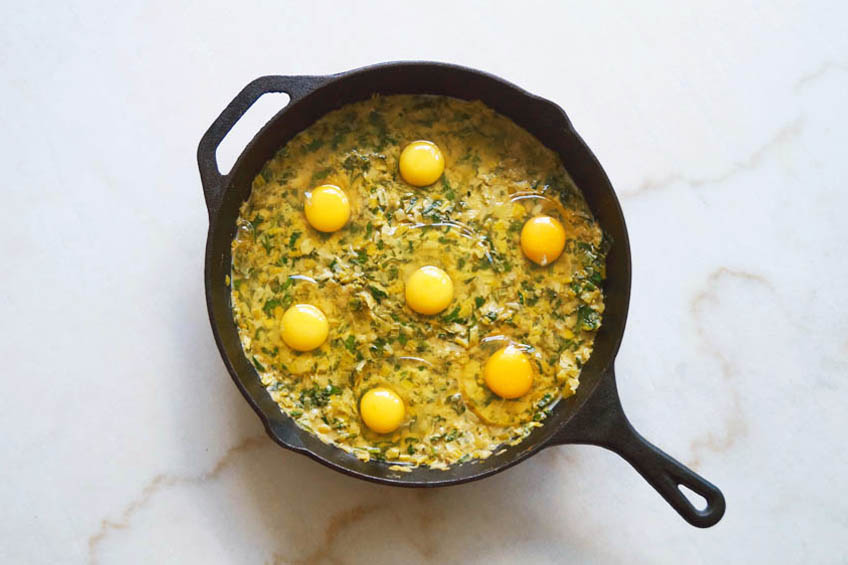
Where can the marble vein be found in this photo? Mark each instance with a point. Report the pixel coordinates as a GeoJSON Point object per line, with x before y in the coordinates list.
{"type": "Point", "coordinates": [824, 69]}
{"type": "Point", "coordinates": [782, 136]}
{"type": "Point", "coordinates": [163, 482]}
{"type": "Point", "coordinates": [735, 425]}
{"type": "Point", "coordinates": [336, 524]}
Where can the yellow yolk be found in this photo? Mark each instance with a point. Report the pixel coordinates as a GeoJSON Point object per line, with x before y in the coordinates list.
{"type": "Point", "coordinates": [542, 239]}
{"type": "Point", "coordinates": [429, 290]}
{"type": "Point", "coordinates": [421, 163]}
{"type": "Point", "coordinates": [508, 372]}
{"type": "Point", "coordinates": [382, 410]}
{"type": "Point", "coordinates": [305, 327]}
{"type": "Point", "coordinates": [327, 208]}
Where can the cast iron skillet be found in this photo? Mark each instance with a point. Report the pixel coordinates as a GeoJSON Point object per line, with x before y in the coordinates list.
{"type": "Point", "coordinates": [592, 416]}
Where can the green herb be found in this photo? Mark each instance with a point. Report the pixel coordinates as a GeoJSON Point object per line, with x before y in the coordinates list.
{"type": "Point", "coordinates": [322, 174]}
{"type": "Point", "coordinates": [431, 207]}
{"type": "Point", "coordinates": [266, 243]}
{"type": "Point", "coordinates": [355, 304]}
{"type": "Point", "coordinates": [455, 400]}
{"type": "Point", "coordinates": [587, 318]}
{"type": "Point", "coordinates": [449, 193]}
{"type": "Point", "coordinates": [293, 239]}
{"type": "Point", "coordinates": [452, 317]}
{"type": "Point", "coordinates": [319, 396]}
{"type": "Point", "coordinates": [482, 264]}
{"type": "Point", "coordinates": [276, 286]}
{"type": "Point", "coordinates": [515, 226]}
{"type": "Point", "coordinates": [596, 278]}
{"type": "Point", "coordinates": [361, 257]}
{"type": "Point", "coordinates": [314, 145]}
{"type": "Point", "coordinates": [544, 401]}
{"type": "Point", "coordinates": [350, 343]}
{"type": "Point", "coordinates": [452, 435]}
{"type": "Point", "coordinates": [356, 161]}
{"type": "Point", "coordinates": [269, 306]}
{"type": "Point", "coordinates": [411, 204]}
{"type": "Point", "coordinates": [258, 365]}
{"type": "Point", "coordinates": [377, 293]}
{"type": "Point", "coordinates": [369, 227]}
{"type": "Point", "coordinates": [479, 301]}
{"type": "Point", "coordinates": [402, 339]}
{"type": "Point", "coordinates": [296, 413]}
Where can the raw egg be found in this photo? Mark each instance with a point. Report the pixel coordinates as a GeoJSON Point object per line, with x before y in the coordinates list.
{"type": "Point", "coordinates": [542, 239]}
{"type": "Point", "coordinates": [305, 327]}
{"type": "Point", "coordinates": [429, 290]}
{"type": "Point", "coordinates": [382, 410]}
{"type": "Point", "coordinates": [509, 372]}
{"type": "Point", "coordinates": [421, 163]}
{"type": "Point", "coordinates": [327, 208]}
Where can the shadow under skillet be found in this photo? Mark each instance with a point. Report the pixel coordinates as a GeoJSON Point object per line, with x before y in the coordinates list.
{"type": "Point", "coordinates": [311, 514]}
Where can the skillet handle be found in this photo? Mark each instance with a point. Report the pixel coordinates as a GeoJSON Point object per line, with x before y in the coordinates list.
{"type": "Point", "coordinates": [601, 421]}
{"type": "Point", "coordinates": [214, 183]}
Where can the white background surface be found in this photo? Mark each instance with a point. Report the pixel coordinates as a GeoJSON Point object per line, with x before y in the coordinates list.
{"type": "Point", "coordinates": [723, 126]}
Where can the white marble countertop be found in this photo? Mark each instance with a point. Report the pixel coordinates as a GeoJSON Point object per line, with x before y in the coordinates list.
{"type": "Point", "coordinates": [724, 129]}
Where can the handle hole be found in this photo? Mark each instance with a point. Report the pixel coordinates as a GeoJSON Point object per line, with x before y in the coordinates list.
{"type": "Point", "coordinates": [695, 499]}
{"type": "Point", "coordinates": [251, 122]}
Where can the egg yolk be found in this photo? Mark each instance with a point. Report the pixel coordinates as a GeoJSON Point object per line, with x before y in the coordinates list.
{"type": "Point", "coordinates": [327, 208]}
{"type": "Point", "coordinates": [382, 410]}
{"type": "Point", "coordinates": [508, 372]}
{"type": "Point", "coordinates": [542, 239]}
{"type": "Point", "coordinates": [421, 163]}
{"type": "Point", "coordinates": [429, 290]}
{"type": "Point", "coordinates": [305, 327]}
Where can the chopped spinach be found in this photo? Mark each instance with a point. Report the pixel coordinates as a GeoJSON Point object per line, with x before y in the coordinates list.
{"type": "Point", "coordinates": [293, 239]}
{"type": "Point", "coordinates": [314, 145]}
{"type": "Point", "coordinates": [587, 318]}
{"type": "Point", "coordinates": [350, 343]}
{"type": "Point", "coordinates": [319, 396]}
{"type": "Point", "coordinates": [377, 293]}
{"type": "Point", "coordinates": [452, 317]}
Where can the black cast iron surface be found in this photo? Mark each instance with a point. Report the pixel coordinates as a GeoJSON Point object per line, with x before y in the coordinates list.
{"type": "Point", "coordinates": [592, 416]}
